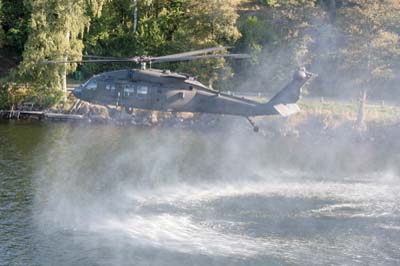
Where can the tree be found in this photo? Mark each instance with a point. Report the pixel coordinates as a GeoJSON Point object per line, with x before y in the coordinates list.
{"type": "Point", "coordinates": [281, 32]}
{"type": "Point", "coordinates": [135, 14]}
{"type": "Point", "coordinates": [256, 32]}
{"type": "Point", "coordinates": [164, 27]}
{"type": "Point", "coordinates": [56, 31]}
{"type": "Point", "coordinates": [15, 17]}
{"type": "Point", "coordinates": [113, 33]}
{"type": "Point", "coordinates": [205, 24]}
{"type": "Point", "coordinates": [372, 53]}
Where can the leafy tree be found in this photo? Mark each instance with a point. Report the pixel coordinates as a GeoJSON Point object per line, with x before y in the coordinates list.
{"type": "Point", "coordinates": [372, 52]}
{"type": "Point", "coordinates": [112, 34]}
{"type": "Point", "coordinates": [205, 24]}
{"type": "Point", "coordinates": [344, 40]}
{"type": "Point", "coordinates": [256, 32]}
{"type": "Point", "coordinates": [164, 27]}
{"type": "Point", "coordinates": [281, 33]}
{"type": "Point", "coordinates": [14, 21]}
{"type": "Point", "coordinates": [11, 94]}
{"type": "Point", "coordinates": [56, 31]}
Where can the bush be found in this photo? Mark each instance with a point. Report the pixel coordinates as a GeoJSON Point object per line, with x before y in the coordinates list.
{"type": "Point", "coordinates": [43, 96]}
{"type": "Point", "coordinates": [13, 94]}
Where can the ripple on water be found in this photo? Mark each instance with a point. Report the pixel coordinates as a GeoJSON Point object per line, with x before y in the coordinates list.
{"type": "Point", "coordinates": [113, 196]}
{"type": "Point", "coordinates": [292, 221]}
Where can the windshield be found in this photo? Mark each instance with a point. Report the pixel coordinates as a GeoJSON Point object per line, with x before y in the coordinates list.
{"type": "Point", "coordinates": [90, 85]}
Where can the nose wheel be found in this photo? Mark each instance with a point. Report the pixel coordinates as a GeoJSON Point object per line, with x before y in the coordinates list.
{"type": "Point", "coordinates": [253, 124]}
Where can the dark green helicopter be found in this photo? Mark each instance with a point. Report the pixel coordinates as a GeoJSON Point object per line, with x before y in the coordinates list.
{"type": "Point", "coordinates": [164, 90]}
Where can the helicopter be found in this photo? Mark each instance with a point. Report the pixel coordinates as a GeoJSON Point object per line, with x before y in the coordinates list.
{"type": "Point", "coordinates": [163, 90]}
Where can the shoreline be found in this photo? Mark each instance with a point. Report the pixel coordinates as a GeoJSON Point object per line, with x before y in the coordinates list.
{"type": "Point", "coordinates": [312, 142]}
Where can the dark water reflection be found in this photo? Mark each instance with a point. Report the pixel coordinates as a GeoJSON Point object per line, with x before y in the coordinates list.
{"type": "Point", "coordinates": [98, 195]}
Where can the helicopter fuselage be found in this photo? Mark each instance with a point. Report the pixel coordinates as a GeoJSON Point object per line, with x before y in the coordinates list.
{"type": "Point", "coordinates": [167, 91]}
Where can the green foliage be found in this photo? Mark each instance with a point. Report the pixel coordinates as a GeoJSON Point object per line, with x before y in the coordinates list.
{"type": "Point", "coordinates": [373, 40]}
{"type": "Point", "coordinates": [43, 95]}
{"type": "Point", "coordinates": [164, 27]}
{"type": "Point", "coordinates": [14, 21]}
{"type": "Point", "coordinates": [270, 3]}
{"type": "Point", "coordinates": [256, 32]}
{"type": "Point", "coordinates": [206, 24]}
{"type": "Point", "coordinates": [112, 34]}
{"type": "Point", "coordinates": [1, 25]}
{"type": "Point", "coordinates": [11, 94]}
{"type": "Point", "coordinates": [56, 31]}
{"type": "Point", "coordinates": [287, 32]}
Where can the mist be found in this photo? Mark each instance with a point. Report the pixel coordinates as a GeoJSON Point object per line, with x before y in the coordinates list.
{"type": "Point", "coordinates": [345, 67]}
{"type": "Point", "coordinates": [168, 196]}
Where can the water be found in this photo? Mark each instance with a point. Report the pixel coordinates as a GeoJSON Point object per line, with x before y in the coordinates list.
{"type": "Point", "coordinates": [99, 195]}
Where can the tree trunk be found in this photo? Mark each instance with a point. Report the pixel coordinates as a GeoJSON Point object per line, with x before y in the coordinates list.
{"type": "Point", "coordinates": [64, 82]}
{"type": "Point", "coordinates": [64, 71]}
{"type": "Point", "coordinates": [135, 18]}
{"type": "Point", "coordinates": [361, 111]}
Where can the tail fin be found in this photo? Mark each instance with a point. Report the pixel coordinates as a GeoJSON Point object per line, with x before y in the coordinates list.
{"type": "Point", "coordinates": [284, 103]}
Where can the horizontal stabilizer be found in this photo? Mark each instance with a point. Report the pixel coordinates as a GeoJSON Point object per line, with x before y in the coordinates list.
{"type": "Point", "coordinates": [287, 109]}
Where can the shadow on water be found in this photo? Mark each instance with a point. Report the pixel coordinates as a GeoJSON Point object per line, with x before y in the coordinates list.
{"type": "Point", "coordinates": [99, 195]}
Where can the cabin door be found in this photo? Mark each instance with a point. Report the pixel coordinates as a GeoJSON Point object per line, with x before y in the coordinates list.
{"type": "Point", "coordinates": [120, 92]}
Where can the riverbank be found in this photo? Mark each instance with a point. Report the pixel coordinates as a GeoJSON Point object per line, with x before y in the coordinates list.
{"type": "Point", "coordinates": [325, 118]}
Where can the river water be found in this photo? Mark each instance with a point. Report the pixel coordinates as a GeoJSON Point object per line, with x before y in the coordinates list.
{"type": "Point", "coordinates": [103, 195]}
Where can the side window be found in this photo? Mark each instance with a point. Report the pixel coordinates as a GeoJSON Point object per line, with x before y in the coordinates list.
{"type": "Point", "coordinates": [142, 91]}
{"type": "Point", "coordinates": [110, 88]}
{"type": "Point", "coordinates": [129, 90]}
{"type": "Point", "coordinates": [92, 85]}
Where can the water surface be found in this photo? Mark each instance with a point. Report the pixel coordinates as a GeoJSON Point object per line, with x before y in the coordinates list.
{"type": "Point", "coordinates": [102, 195]}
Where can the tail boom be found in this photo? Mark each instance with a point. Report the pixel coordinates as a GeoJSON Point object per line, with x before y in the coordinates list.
{"type": "Point", "coordinates": [284, 102]}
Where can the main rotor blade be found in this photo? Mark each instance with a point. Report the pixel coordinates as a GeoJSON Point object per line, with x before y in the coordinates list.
{"type": "Point", "coordinates": [84, 56]}
{"type": "Point", "coordinates": [99, 57]}
{"type": "Point", "coordinates": [188, 58]}
{"type": "Point", "coordinates": [89, 61]}
{"type": "Point", "coordinates": [192, 53]}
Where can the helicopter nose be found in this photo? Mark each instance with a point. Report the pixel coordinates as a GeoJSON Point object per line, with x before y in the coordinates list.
{"type": "Point", "coordinates": [77, 92]}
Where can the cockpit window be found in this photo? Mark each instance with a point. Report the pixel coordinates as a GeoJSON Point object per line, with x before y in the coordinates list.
{"type": "Point", "coordinates": [91, 85]}
{"type": "Point", "coordinates": [110, 87]}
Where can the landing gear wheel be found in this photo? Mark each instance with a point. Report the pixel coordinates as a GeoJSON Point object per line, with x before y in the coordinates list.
{"type": "Point", "coordinates": [129, 110]}
{"type": "Point", "coordinates": [256, 129]}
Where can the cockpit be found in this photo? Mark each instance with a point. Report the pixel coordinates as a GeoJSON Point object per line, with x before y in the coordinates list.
{"type": "Point", "coordinates": [90, 85]}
